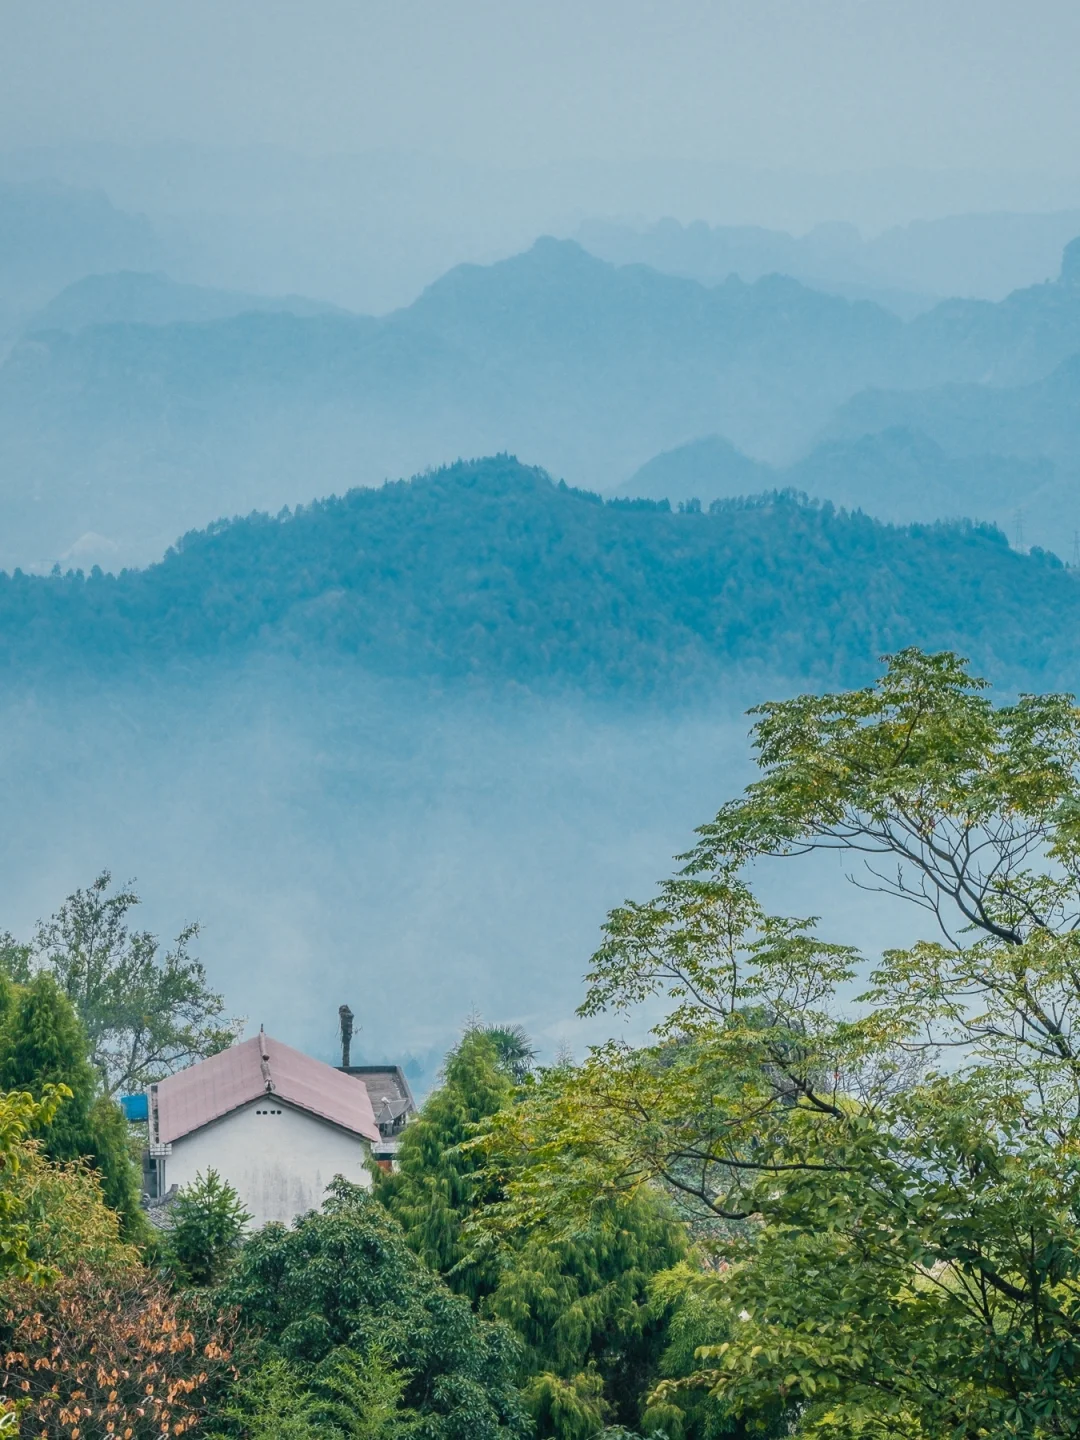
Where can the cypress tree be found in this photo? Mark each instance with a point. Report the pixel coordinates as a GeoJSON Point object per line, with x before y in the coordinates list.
{"type": "Point", "coordinates": [436, 1187]}
{"type": "Point", "coordinates": [42, 1042]}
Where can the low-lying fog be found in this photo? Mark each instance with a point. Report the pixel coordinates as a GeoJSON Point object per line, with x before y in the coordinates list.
{"type": "Point", "coordinates": [345, 839]}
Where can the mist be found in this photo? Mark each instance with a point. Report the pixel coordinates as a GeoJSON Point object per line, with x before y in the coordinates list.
{"type": "Point", "coordinates": [423, 857]}
{"type": "Point", "coordinates": [256, 254]}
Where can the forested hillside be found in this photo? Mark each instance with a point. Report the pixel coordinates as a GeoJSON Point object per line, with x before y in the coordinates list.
{"type": "Point", "coordinates": [489, 571]}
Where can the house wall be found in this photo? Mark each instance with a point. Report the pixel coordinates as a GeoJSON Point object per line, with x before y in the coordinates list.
{"type": "Point", "coordinates": [277, 1158]}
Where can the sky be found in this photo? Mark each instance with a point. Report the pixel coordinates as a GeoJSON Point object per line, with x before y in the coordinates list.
{"type": "Point", "coordinates": [811, 85]}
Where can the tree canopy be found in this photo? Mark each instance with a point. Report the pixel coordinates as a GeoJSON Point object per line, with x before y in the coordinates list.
{"type": "Point", "coordinates": [145, 1014]}
{"type": "Point", "coordinates": [888, 1189]}
{"type": "Point", "coordinates": [580, 1306]}
{"type": "Point", "coordinates": [43, 1046]}
{"type": "Point", "coordinates": [343, 1277]}
{"type": "Point", "coordinates": [489, 572]}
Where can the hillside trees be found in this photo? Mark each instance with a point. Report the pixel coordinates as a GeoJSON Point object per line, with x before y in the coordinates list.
{"type": "Point", "coordinates": [488, 572]}
{"type": "Point", "coordinates": [890, 1192]}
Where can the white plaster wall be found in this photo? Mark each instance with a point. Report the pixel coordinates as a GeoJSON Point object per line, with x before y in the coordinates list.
{"type": "Point", "coordinates": [278, 1159]}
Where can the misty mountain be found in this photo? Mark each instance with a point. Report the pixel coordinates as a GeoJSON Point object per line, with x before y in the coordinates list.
{"type": "Point", "coordinates": [132, 297]}
{"type": "Point", "coordinates": [906, 268]}
{"type": "Point", "coordinates": [122, 436]}
{"type": "Point", "coordinates": [897, 474]}
{"type": "Point", "coordinates": [1020, 339]}
{"type": "Point", "coordinates": [705, 470]}
{"type": "Point", "coordinates": [488, 572]}
{"type": "Point", "coordinates": [118, 437]}
{"type": "Point", "coordinates": [828, 257]}
{"type": "Point", "coordinates": [1037, 420]}
{"type": "Point", "coordinates": [53, 234]}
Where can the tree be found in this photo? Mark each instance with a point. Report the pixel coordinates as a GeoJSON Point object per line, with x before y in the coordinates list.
{"type": "Point", "coordinates": [96, 1354]}
{"type": "Point", "coordinates": [20, 1115]}
{"type": "Point", "coordinates": [580, 1305]}
{"type": "Point", "coordinates": [896, 1246]}
{"type": "Point", "coordinates": [70, 1224]}
{"type": "Point", "coordinates": [346, 1398]}
{"type": "Point", "coordinates": [437, 1185]}
{"type": "Point", "coordinates": [208, 1223]}
{"type": "Point", "coordinates": [42, 1046]}
{"type": "Point", "coordinates": [344, 1278]}
{"type": "Point", "coordinates": [515, 1051]}
{"type": "Point", "coordinates": [146, 1014]}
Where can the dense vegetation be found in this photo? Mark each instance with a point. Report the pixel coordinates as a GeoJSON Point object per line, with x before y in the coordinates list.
{"type": "Point", "coordinates": [491, 573]}
{"type": "Point", "coordinates": [782, 1215]}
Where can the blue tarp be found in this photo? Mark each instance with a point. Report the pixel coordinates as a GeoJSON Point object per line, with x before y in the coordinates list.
{"type": "Point", "coordinates": [134, 1106]}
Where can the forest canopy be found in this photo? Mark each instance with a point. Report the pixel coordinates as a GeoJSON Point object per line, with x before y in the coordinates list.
{"type": "Point", "coordinates": [490, 572]}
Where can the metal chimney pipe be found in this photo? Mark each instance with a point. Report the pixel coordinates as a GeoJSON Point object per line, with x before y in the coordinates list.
{"type": "Point", "coordinates": [346, 1017]}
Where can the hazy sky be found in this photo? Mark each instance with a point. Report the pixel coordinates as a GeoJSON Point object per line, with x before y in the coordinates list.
{"type": "Point", "coordinates": [808, 84]}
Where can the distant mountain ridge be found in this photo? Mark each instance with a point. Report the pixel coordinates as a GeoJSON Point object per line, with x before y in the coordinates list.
{"type": "Point", "coordinates": [136, 297]}
{"type": "Point", "coordinates": [136, 432]}
{"type": "Point", "coordinates": [489, 573]}
{"type": "Point", "coordinates": [907, 268]}
{"type": "Point", "coordinates": [897, 474]}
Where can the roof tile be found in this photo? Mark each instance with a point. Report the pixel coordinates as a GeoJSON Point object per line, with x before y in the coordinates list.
{"type": "Point", "coordinates": [212, 1088]}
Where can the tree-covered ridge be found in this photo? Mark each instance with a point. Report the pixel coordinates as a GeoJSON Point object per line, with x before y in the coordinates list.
{"type": "Point", "coordinates": [489, 571]}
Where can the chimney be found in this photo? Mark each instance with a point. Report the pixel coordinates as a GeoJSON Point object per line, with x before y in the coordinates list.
{"type": "Point", "coordinates": [346, 1017]}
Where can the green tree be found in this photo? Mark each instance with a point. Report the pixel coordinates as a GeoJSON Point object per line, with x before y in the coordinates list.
{"type": "Point", "coordinates": [515, 1051]}
{"type": "Point", "coordinates": [896, 1241]}
{"type": "Point", "coordinates": [580, 1305]}
{"type": "Point", "coordinates": [20, 1115]}
{"type": "Point", "coordinates": [344, 1278]}
{"type": "Point", "coordinates": [208, 1223]}
{"type": "Point", "coordinates": [346, 1398]}
{"type": "Point", "coordinates": [437, 1185]}
{"type": "Point", "coordinates": [42, 1046]}
{"type": "Point", "coordinates": [145, 1013]}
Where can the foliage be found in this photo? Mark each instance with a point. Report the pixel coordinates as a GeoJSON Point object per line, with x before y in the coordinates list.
{"type": "Point", "coordinates": [146, 1014]}
{"type": "Point", "coordinates": [580, 1305]}
{"type": "Point", "coordinates": [42, 1045]}
{"type": "Point", "coordinates": [572, 1409]}
{"type": "Point", "coordinates": [346, 1398]}
{"type": "Point", "coordinates": [344, 1277]}
{"type": "Point", "coordinates": [900, 1244]}
{"type": "Point", "coordinates": [69, 1221]}
{"type": "Point", "coordinates": [515, 1051]}
{"type": "Point", "coordinates": [20, 1115]}
{"type": "Point", "coordinates": [97, 1355]}
{"type": "Point", "coordinates": [487, 571]}
{"type": "Point", "coordinates": [208, 1223]}
{"type": "Point", "coordinates": [437, 1185]}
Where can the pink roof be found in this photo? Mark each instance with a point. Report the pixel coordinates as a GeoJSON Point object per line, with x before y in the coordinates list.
{"type": "Point", "coordinates": [211, 1088]}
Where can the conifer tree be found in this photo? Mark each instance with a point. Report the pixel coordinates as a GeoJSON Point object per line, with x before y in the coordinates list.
{"type": "Point", "coordinates": [580, 1306]}
{"type": "Point", "coordinates": [42, 1043]}
{"type": "Point", "coordinates": [437, 1185]}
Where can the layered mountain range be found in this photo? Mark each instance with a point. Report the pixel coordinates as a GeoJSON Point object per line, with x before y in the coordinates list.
{"type": "Point", "coordinates": [117, 434]}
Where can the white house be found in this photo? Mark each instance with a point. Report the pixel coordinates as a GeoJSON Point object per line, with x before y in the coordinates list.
{"type": "Point", "coordinates": [273, 1122]}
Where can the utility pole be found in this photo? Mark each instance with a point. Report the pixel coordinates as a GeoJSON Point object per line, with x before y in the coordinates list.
{"type": "Point", "coordinates": [1019, 522]}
